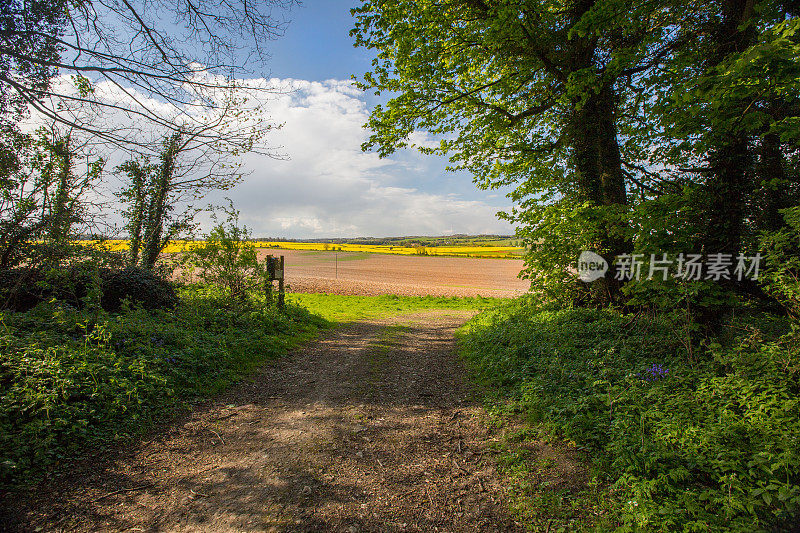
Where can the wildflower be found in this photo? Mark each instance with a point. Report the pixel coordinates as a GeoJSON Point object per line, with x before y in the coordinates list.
{"type": "Point", "coordinates": [655, 372]}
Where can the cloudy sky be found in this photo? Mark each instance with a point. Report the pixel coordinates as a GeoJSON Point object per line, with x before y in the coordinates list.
{"type": "Point", "coordinates": [328, 187]}
{"type": "Point", "coordinates": [325, 186]}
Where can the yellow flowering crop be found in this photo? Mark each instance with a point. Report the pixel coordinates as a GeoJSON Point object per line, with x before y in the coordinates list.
{"type": "Point", "coordinates": [458, 251]}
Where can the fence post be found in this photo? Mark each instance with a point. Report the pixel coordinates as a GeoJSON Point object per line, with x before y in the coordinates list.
{"type": "Point", "coordinates": [270, 275]}
{"type": "Point", "coordinates": [281, 298]}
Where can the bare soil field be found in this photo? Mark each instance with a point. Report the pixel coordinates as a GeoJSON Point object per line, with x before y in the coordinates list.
{"type": "Point", "coordinates": [375, 274]}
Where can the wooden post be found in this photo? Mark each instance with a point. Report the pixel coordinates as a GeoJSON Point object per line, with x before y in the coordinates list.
{"type": "Point", "coordinates": [270, 275]}
{"type": "Point", "coordinates": [281, 298]}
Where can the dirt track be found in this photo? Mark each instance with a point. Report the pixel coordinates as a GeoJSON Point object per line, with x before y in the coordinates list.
{"type": "Point", "coordinates": [372, 428]}
{"type": "Point", "coordinates": [374, 274]}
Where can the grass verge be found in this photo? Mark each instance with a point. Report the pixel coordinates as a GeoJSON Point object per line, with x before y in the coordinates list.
{"type": "Point", "coordinates": [77, 379]}
{"type": "Point", "coordinates": [341, 308]}
{"type": "Point", "coordinates": [709, 442]}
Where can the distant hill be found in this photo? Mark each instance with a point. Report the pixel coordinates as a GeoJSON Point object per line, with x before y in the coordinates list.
{"type": "Point", "coordinates": [449, 240]}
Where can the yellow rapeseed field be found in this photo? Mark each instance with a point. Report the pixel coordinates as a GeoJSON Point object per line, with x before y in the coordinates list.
{"type": "Point", "coordinates": [458, 251]}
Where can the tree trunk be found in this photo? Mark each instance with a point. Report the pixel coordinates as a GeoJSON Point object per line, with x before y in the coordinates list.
{"type": "Point", "coordinates": [157, 210]}
{"type": "Point", "coordinates": [774, 191]}
{"type": "Point", "coordinates": [139, 181]}
{"type": "Point", "coordinates": [599, 179]}
{"type": "Point", "coordinates": [60, 212]}
{"type": "Point", "coordinates": [731, 160]}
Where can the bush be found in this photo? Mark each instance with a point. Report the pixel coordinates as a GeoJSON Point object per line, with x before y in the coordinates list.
{"type": "Point", "coordinates": [781, 250]}
{"type": "Point", "coordinates": [84, 283]}
{"type": "Point", "coordinates": [139, 286]}
{"type": "Point", "coordinates": [228, 258]}
{"type": "Point", "coordinates": [706, 446]}
{"type": "Point", "coordinates": [23, 288]}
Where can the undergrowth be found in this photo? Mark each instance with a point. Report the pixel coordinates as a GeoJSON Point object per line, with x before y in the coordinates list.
{"type": "Point", "coordinates": [709, 442]}
{"type": "Point", "coordinates": [72, 379]}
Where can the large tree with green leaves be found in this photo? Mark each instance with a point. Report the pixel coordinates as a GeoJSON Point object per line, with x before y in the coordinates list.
{"type": "Point", "coordinates": [525, 93]}
{"type": "Point", "coordinates": [658, 126]}
{"type": "Point", "coordinates": [717, 116]}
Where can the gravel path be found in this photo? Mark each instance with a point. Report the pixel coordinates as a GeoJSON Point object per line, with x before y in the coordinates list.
{"type": "Point", "coordinates": [371, 428]}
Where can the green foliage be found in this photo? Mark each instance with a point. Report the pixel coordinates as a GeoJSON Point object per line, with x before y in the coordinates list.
{"type": "Point", "coordinates": [228, 258]}
{"type": "Point", "coordinates": [526, 95]}
{"type": "Point", "coordinates": [656, 126]}
{"type": "Point", "coordinates": [31, 50]}
{"type": "Point", "coordinates": [781, 250]}
{"type": "Point", "coordinates": [156, 189]}
{"type": "Point", "coordinates": [75, 378]}
{"type": "Point", "coordinates": [79, 276]}
{"type": "Point", "coordinates": [681, 444]}
{"type": "Point", "coordinates": [556, 233]}
{"type": "Point", "coordinates": [41, 196]}
{"type": "Point", "coordinates": [138, 286]}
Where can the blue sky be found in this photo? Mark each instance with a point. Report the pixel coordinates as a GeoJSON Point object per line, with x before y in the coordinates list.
{"type": "Point", "coordinates": [317, 44]}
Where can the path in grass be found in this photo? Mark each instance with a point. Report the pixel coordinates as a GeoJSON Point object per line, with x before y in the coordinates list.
{"type": "Point", "coordinates": [371, 428]}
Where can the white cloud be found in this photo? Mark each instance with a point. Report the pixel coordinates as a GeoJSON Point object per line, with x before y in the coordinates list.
{"type": "Point", "coordinates": [328, 187]}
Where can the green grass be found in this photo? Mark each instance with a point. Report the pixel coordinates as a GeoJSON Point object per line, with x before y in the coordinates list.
{"type": "Point", "coordinates": [339, 308]}
{"type": "Point", "coordinates": [707, 443]}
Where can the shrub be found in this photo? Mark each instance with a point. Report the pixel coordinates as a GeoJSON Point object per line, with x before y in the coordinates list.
{"type": "Point", "coordinates": [84, 283]}
{"type": "Point", "coordinates": [709, 445]}
{"type": "Point", "coordinates": [228, 258]}
{"type": "Point", "coordinates": [781, 250]}
{"type": "Point", "coordinates": [139, 286]}
{"type": "Point", "coordinates": [23, 288]}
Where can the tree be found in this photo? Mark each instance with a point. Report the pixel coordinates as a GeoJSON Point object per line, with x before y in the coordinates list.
{"type": "Point", "coordinates": [651, 127]}
{"type": "Point", "coordinates": [160, 194]}
{"type": "Point", "coordinates": [524, 93]}
{"type": "Point", "coordinates": [718, 120]}
{"type": "Point", "coordinates": [118, 74]}
{"type": "Point", "coordinates": [43, 198]}
{"type": "Point", "coordinates": [162, 183]}
{"type": "Point", "coordinates": [160, 61]}
{"type": "Point", "coordinates": [716, 117]}
{"type": "Point", "coordinates": [135, 196]}
{"type": "Point", "coordinates": [29, 49]}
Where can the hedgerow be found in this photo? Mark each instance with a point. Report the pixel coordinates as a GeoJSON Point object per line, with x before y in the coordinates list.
{"type": "Point", "coordinates": [72, 378]}
{"type": "Point", "coordinates": [709, 442]}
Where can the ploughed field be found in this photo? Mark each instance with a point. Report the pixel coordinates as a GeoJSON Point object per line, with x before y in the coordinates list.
{"type": "Point", "coordinates": [375, 274]}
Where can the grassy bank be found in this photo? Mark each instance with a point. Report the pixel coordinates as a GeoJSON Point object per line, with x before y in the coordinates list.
{"type": "Point", "coordinates": [706, 441]}
{"type": "Point", "coordinates": [341, 308]}
{"type": "Point", "coordinates": [76, 379]}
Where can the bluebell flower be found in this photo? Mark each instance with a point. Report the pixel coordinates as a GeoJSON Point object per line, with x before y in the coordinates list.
{"type": "Point", "coordinates": [655, 372]}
